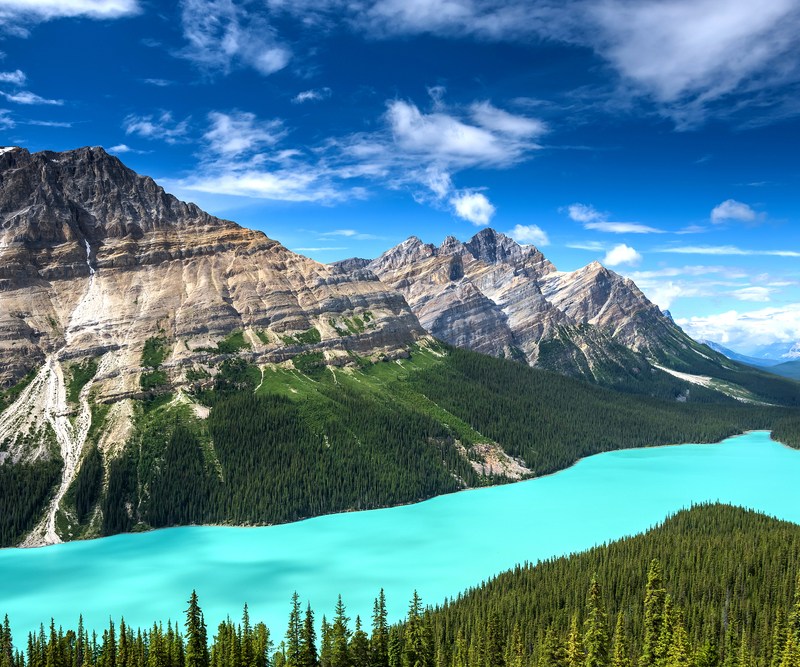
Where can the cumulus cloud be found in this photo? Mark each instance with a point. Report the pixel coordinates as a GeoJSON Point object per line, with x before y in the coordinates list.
{"type": "Point", "coordinates": [745, 331]}
{"type": "Point", "coordinates": [474, 207]}
{"type": "Point", "coordinates": [532, 234]}
{"type": "Point", "coordinates": [731, 209]}
{"type": "Point", "coordinates": [622, 254]}
{"type": "Point", "coordinates": [222, 34]}
{"type": "Point", "coordinates": [494, 138]}
{"type": "Point", "coordinates": [16, 78]}
{"type": "Point", "coordinates": [313, 95]}
{"type": "Point", "coordinates": [27, 97]}
{"type": "Point", "coordinates": [411, 149]}
{"type": "Point", "coordinates": [157, 126]}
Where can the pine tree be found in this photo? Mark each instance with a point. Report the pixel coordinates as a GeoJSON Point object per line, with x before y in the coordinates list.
{"type": "Point", "coordinates": [293, 634]}
{"type": "Point", "coordinates": [574, 654]}
{"type": "Point", "coordinates": [340, 637]}
{"type": "Point", "coordinates": [460, 651]}
{"type": "Point", "coordinates": [678, 653]}
{"type": "Point", "coordinates": [325, 647]}
{"type": "Point", "coordinates": [707, 655]}
{"type": "Point", "coordinates": [359, 646]}
{"type": "Point", "coordinates": [493, 651]}
{"type": "Point", "coordinates": [379, 641]}
{"type": "Point", "coordinates": [418, 650]}
{"type": "Point", "coordinates": [595, 637]}
{"type": "Point", "coordinates": [308, 641]}
{"type": "Point", "coordinates": [621, 653]}
{"type": "Point", "coordinates": [515, 651]}
{"type": "Point", "coordinates": [654, 600]}
{"type": "Point", "coordinates": [196, 636]}
{"type": "Point", "coordinates": [552, 652]}
{"type": "Point", "coordinates": [395, 649]}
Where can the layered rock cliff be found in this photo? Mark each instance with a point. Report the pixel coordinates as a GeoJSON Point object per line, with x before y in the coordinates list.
{"type": "Point", "coordinates": [495, 296]}
{"type": "Point", "coordinates": [113, 290]}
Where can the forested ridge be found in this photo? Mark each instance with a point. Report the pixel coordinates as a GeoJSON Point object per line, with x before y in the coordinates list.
{"type": "Point", "coordinates": [714, 586]}
{"type": "Point", "coordinates": [282, 443]}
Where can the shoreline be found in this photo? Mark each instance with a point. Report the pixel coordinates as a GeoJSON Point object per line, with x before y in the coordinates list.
{"type": "Point", "coordinates": [389, 507]}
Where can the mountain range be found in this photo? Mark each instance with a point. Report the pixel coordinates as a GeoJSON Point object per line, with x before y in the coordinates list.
{"type": "Point", "coordinates": [149, 350]}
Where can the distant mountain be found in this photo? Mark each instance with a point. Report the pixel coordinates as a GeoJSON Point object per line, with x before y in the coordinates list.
{"type": "Point", "coordinates": [742, 358]}
{"type": "Point", "coordinates": [788, 369]}
{"type": "Point", "coordinates": [495, 296]}
{"type": "Point", "coordinates": [781, 351]}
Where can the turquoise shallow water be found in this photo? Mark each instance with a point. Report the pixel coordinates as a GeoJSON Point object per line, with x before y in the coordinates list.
{"type": "Point", "coordinates": [440, 546]}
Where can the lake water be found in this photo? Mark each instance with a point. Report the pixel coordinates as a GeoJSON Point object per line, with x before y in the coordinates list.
{"type": "Point", "coordinates": [440, 547]}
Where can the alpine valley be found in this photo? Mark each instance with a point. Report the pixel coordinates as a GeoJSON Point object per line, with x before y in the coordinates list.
{"type": "Point", "coordinates": [161, 366]}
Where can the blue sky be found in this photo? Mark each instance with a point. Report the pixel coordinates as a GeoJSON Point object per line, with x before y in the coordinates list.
{"type": "Point", "coordinates": [658, 136]}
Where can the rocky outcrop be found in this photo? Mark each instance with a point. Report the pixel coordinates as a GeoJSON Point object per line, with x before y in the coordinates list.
{"type": "Point", "coordinates": [96, 259]}
{"type": "Point", "coordinates": [496, 296]}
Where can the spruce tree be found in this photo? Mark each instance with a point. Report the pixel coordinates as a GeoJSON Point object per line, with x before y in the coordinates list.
{"type": "Point", "coordinates": [196, 636]}
{"type": "Point", "coordinates": [654, 599]}
{"type": "Point", "coordinates": [620, 656]}
{"type": "Point", "coordinates": [359, 646]}
{"type": "Point", "coordinates": [574, 653]}
{"type": "Point", "coordinates": [293, 633]}
{"type": "Point", "coordinates": [340, 637]}
{"type": "Point", "coordinates": [552, 652]}
{"type": "Point", "coordinates": [595, 637]}
{"type": "Point", "coordinates": [308, 641]}
{"type": "Point", "coordinates": [379, 641]}
{"type": "Point", "coordinates": [325, 647]}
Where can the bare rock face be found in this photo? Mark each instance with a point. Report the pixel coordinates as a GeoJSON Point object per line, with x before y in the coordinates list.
{"type": "Point", "coordinates": [95, 259]}
{"type": "Point", "coordinates": [496, 296]}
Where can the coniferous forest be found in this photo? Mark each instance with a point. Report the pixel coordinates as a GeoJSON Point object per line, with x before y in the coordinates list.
{"type": "Point", "coordinates": [714, 586]}
{"type": "Point", "coordinates": [281, 445]}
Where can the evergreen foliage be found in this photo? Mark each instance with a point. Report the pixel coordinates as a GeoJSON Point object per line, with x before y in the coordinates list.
{"type": "Point", "coordinates": [24, 491]}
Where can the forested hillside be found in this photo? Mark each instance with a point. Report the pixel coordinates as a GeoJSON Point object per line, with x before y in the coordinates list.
{"type": "Point", "coordinates": [265, 445]}
{"type": "Point", "coordinates": [714, 586]}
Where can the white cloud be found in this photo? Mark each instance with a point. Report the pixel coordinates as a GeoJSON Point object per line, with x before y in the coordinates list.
{"type": "Point", "coordinates": [16, 78]}
{"type": "Point", "coordinates": [498, 120]}
{"type": "Point", "coordinates": [688, 54]}
{"type": "Point", "coordinates": [753, 293]}
{"type": "Point", "coordinates": [449, 140]}
{"type": "Point", "coordinates": [584, 213]}
{"type": "Point", "coordinates": [349, 234]}
{"type": "Point", "coordinates": [162, 126]}
{"type": "Point", "coordinates": [121, 148]}
{"type": "Point", "coordinates": [474, 207]}
{"type": "Point", "coordinates": [313, 95]}
{"type": "Point", "coordinates": [592, 246]}
{"type": "Point", "coordinates": [235, 133]}
{"type": "Point", "coordinates": [160, 83]}
{"type": "Point", "coordinates": [745, 331]}
{"type": "Point", "coordinates": [16, 15]}
{"type": "Point", "coordinates": [27, 97]}
{"type": "Point", "coordinates": [529, 234]}
{"type": "Point", "coordinates": [6, 121]}
{"type": "Point", "coordinates": [622, 254]}
{"type": "Point", "coordinates": [731, 209]}
{"type": "Point", "coordinates": [594, 220]}
{"type": "Point", "coordinates": [727, 250]}
{"type": "Point", "coordinates": [622, 228]}
{"type": "Point", "coordinates": [221, 34]}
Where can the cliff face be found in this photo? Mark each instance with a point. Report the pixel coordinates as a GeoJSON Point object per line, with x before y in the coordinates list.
{"type": "Point", "coordinates": [495, 296]}
{"type": "Point", "coordinates": [97, 263]}
{"type": "Point", "coordinates": [96, 259]}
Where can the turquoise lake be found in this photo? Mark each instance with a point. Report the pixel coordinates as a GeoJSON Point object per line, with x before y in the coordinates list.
{"type": "Point", "coordinates": [440, 547]}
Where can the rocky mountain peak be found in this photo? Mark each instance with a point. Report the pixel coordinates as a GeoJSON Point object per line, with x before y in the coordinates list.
{"type": "Point", "coordinates": [84, 194]}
